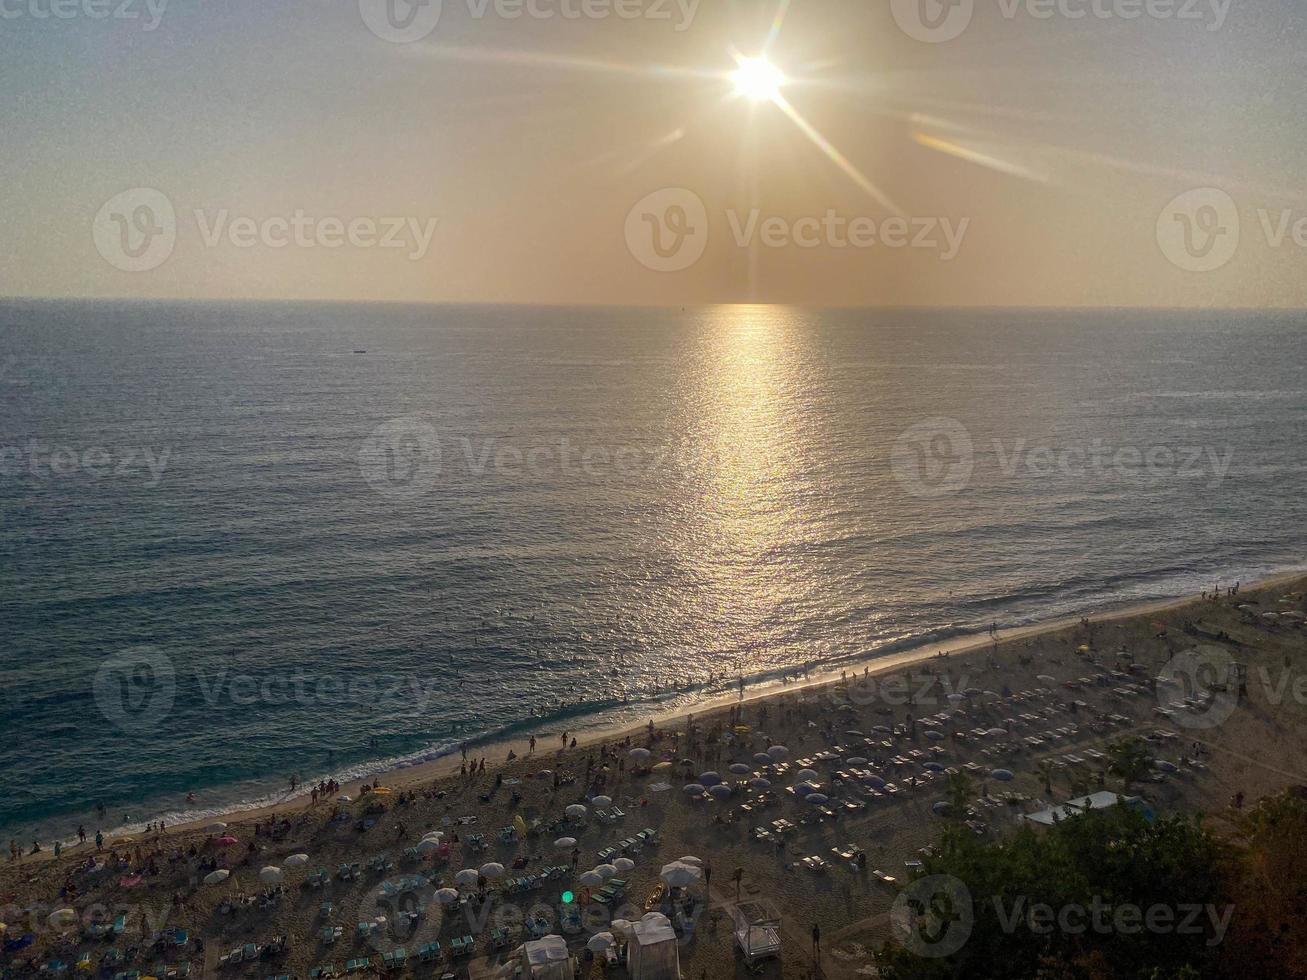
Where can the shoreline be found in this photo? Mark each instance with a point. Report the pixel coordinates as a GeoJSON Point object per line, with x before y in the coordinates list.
{"type": "Point", "coordinates": [597, 731]}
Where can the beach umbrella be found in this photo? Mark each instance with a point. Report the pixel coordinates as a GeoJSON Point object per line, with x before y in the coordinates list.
{"type": "Point", "coordinates": [690, 859]}
{"type": "Point", "coordinates": [854, 733]}
{"type": "Point", "coordinates": [271, 875]}
{"type": "Point", "coordinates": [883, 729]}
{"type": "Point", "coordinates": [740, 769]}
{"type": "Point", "coordinates": [217, 877]}
{"type": "Point", "coordinates": [934, 736]}
{"type": "Point", "coordinates": [1002, 775]}
{"type": "Point", "coordinates": [803, 789]}
{"type": "Point", "coordinates": [435, 835]}
{"type": "Point", "coordinates": [661, 766]}
{"type": "Point", "coordinates": [806, 775]}
{"type": "Point", "coordinates": [590, 879]}
{"type": "Point", "coordinates": [216, 828]}
{"type": "Point", "coordinates": [856, 760]}
{"type": "Point", "coordinates": [600, 941]}
{"type": "Point", "coordinates": [576, 811]}
{"type": "Point", "coordinates": [720, 792]}
{"type": "Point", "coordinates": [602, 801]}
{"type": "Point", "coordinates": [426, 846]}
{"type": "Point", "coordinates": [941, 807]}
{"type": "Point", "coordinates": [875, 782]}
{"type": "Point", "coordinates": [624, 864]}
{"type": "Point", "coordinates": [606, 871]}
{"type": "Point", "coordinates": [710, 778]}
{"type": "Point", "coordinates": [694, 789]}
{"type": "Point", "coordinates": [544, 772]}
{"type": "Point", "coordinates": [680, 875]}
{"type": "Point", "coordinates": [1047, 678]}
{"type": "Point", "coordinates": [565, 843]}
{"type": "Point", "coordinates": [622, 926]}
{"type": "Point", "coordinates": [640, 755]}
{"type": "Point", "coordinates": [762, 758]}
{"type": "Point", "coordinates": [296, 860]}
{"type": "Point", "coordinates": [468, 876]}
{"type": "Point", "coordinates": [446, 896]}
{"type": "Point", "coordinates": [778, 753]}
{"type": "Point", "coordinates": [759, 783]}
{"type": "Point", "coordinates": [1165, 766]}
{"type": "Point", "coordinates": [816, 799]}
{"type": "Point", "coordinates": [492, 870]}
{"type": "Point", "coordinates": [933, 767]}
{"type": "Point", "coordinates": [997, 732]}
{"type": "Point", "coordinates": [62, 918]}
{"type": "Point", "coordinates": [226, 840]}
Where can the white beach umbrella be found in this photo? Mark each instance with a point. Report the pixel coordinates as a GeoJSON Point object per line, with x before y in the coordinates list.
{"type": "Point", "coordinates": [602, 801]}
{"type": "Point", "coordinates": [468, 876]}
{"type": "Point", "coordinates": [691, 860]}
{"type": "Point", "coordinates": [62, 918]}
{"type": "Point", "coordinates": [679, 875]}
{"type": "Point", "coordinates": [606, 871]}
{"type": "Point", "coordinates": [216, 828]}
{"type": "Point", "coordinates": [856, 760]}
{"type": "Point", "coordinates": [640, 755]}
{"type": "Point", "coordinates": [296, 861]}
{"type": "Point", "coordinates": [447, 896]}
{"type": "Point", "coordinates": [778, 753]}
{"type": "Point", "coordinates": [427, 846]}
{"type": "Point", "coordinates": [720, 792]}
{"type": "Point", "coordinates": [576, 811]}
{"type": "Point", "coordinates": [624, 864]}
{"type": "Point", "coordinates": [271, 875]}
{"type": "Point", "coordinates": [758, 782]}
{"type": "Point", "coordinates": [740, 769]}
{"type": "Point", "coordinates": [590, 879]}
{"type": "Point", "coordinates": [565, 843]}
{"type": "Point", "coordinates": [492, 870]}
{"type": "Point", "coordinates": [435, 835]}
{"type": "Point", "coordinates": [806, 775]}
{"type": "Point", "coordinates": [217, 877]}
{"type": "Point", "coordinates": [762, 758]}
{"type": "Point", "coordinates": [600, 941]}
{"type": "Point", "coordinates": [694, 789]}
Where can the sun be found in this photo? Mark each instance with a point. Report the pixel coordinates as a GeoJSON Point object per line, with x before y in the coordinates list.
{"type": "Point", "coordinates": [758, 79]}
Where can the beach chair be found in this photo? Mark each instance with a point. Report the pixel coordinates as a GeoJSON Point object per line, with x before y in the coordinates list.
{"type": "Point", "coordinates": [330, 934]}
{"type": "Point", "coordinates": [410, 855]}
{"type": "Point", "coordinates": [607, 855]}
{"type": "Point", "coordinates": [618, 813]}
{"type": "Point", "coordinates": [429, 953]}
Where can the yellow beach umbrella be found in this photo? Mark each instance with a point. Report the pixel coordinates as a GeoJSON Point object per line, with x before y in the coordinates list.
{"type": "Point", "coordinates": [519, 825]}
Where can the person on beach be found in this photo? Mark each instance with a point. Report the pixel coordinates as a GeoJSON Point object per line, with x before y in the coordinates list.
{"type": "Point", "coordinates": [81, 834]}
{"type": "Point", "coordinates": [816, 942]}
{"type": "Point", "coordinates": [99, 840]}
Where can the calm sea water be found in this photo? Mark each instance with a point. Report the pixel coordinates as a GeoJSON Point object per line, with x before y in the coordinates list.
{"type": "Point", "coordinates": [232, 548]}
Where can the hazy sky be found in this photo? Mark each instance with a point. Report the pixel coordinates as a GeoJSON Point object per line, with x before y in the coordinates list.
{"type": "Point", "coordinates": [1037, 157]}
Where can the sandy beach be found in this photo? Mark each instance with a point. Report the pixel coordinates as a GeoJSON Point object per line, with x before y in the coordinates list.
{"type": "Point", "coordinates": [1057, 691]}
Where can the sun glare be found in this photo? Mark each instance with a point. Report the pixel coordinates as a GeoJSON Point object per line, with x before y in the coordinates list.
{"type": "Point", "coordinates": [758, 79]}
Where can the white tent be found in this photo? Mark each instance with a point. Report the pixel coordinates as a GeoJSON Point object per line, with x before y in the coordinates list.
{"type": "Point", "coordinates": [652, 954]}
{"type": "Point", "coordinates": [547, 959]}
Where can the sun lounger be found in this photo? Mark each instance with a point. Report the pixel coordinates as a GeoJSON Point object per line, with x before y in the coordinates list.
{"type": "Point", "coordinates": [429, 953]}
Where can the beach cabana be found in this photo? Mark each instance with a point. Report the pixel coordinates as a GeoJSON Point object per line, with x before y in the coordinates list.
{"type": "Point", "coordinates": [757, 929]}
{"type": "Point", "coordinates": [652, 953]}
{"type": "Point", "coordinates": [547, 959]}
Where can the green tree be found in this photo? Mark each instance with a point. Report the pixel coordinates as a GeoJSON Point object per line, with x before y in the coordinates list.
{"type": "Point", "coordinates": [1128, 758]}
{"type": "Point", "coordinates": [960, 788]}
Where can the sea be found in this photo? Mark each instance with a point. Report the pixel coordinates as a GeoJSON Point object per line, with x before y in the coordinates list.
{"type": "Point", "coordinates": [241, 541]}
